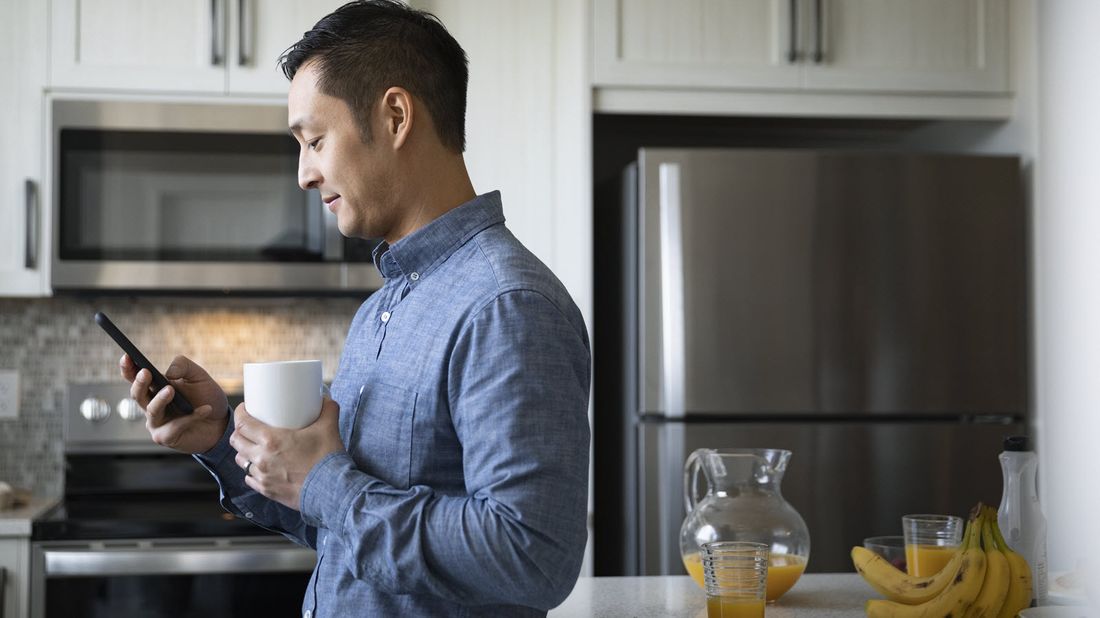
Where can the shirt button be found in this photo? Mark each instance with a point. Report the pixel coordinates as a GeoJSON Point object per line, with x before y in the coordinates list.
{"type": "Point", "coordinates": [248, 515]}
{"type": "Point", "coordinates": [385, 316]}
{"type": "Point", "coordinates": [414, 276]}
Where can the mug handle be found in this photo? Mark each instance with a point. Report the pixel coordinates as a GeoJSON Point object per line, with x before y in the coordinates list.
{"type": "Point", "coordinates": [691, 478]}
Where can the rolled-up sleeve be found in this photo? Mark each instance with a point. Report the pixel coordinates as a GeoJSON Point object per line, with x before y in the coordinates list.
{"type": "Point", "coordinates": [517, 387]}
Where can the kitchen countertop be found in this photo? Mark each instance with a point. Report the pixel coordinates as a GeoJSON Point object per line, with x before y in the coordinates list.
{"type": "Point", "coordinates": [821, 595]}
{"type": "Point", "coordinates": [17, 521]}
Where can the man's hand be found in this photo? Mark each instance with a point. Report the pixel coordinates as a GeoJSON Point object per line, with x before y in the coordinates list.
{"type": "Point", "coordinates": [276, 460]}
{"type": "Point", "coordinates": [197, 432]}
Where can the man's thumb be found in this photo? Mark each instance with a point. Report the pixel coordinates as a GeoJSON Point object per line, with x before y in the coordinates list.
{"type": "Point", "coordinates": [176, 370]}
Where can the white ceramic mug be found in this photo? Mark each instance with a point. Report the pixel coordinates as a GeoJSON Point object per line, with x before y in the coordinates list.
{"type": "Point", "coordinates": [283, 394]}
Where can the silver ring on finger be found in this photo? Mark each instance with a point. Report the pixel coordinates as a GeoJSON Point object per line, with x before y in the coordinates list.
{"type": "Point", "coordinates": [248, 468]}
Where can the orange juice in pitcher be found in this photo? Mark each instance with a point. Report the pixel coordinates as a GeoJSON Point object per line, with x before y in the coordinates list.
{"type": "Point", "coordinates": [743, 503]}
{"type": "Point", "coordinates": [783, 571]}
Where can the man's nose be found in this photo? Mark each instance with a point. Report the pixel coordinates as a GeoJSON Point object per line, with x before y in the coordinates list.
{"type": "Point", "coordinates": [308, 175]}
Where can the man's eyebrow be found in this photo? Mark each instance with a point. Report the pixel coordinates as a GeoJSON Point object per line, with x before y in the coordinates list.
{"type": "Point", "coordinates": [296, 128]}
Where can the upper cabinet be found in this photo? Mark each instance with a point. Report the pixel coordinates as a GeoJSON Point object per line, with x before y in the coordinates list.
{"type": "Point", "coordinates": [905, 46]}
{"type": "Point", "coordinates": [953, 50]}
{"type": "Point", "coordinates": [193, 46]}
{"type": "Point", "coordinates": [695, 44]}
{"type": "Point", "coordinates": [22, 212]}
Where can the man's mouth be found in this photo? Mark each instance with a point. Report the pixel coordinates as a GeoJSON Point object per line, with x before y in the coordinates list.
{"type": "Point", "coordinates": [330, 201]}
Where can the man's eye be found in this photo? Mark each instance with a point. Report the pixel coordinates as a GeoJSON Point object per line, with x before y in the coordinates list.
{"type": "Point", "coordinates": [312, 144]}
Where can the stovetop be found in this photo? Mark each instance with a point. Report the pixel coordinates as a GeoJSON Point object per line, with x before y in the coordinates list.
{"type": "Point", "coordinates": [140, 517]}
{"type": "Point", "coordinates": [119, 485]}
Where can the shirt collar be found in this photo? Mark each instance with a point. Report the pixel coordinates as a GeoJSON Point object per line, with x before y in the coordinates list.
{"type": "Point", "coordinates": [416, 255]}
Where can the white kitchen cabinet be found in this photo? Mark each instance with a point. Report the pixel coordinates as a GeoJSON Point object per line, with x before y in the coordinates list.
{"type": "Point", "coordinates": [905, 46]}
{"type": "Point", "coordinates": [262, 30]}
{"type": "Point", "coordinates": [754, 54]}
{"type": "Point", "coordinates": [23, 53]}
{"type": "Point", "coordinates": [15, 560]}
{"type": "Point", "coordinates": [695, 43]}
{"type": "Point", "coordinates": [189, 46]}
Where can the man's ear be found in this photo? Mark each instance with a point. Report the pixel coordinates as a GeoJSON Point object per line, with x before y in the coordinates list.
{"type": "Point", "coordinates": [397, 111]}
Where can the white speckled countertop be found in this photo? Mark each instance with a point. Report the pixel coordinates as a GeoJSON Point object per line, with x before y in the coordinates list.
{"type": "Point", "coordinates": [17, 521]}
{"type": "Point", "coordinates": [818, 595]}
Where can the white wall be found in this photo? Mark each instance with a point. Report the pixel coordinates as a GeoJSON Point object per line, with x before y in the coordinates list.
{"type": "Point", "coordinates": [1067, 268]}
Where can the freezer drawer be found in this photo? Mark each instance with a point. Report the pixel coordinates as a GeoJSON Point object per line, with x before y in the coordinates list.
{"type": "Point", "coordinates": [848, 480]}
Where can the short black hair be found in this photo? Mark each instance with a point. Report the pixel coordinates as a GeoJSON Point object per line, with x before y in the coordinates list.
{"type": "Point", "coordinates": [367, 46]}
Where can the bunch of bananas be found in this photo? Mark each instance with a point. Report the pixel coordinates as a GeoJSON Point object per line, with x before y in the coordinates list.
{"type": "Point", "coordinates": [983, 579]}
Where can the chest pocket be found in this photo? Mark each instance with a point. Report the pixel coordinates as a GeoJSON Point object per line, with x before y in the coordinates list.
{"type": "Point", "coordinates": [381, 433]}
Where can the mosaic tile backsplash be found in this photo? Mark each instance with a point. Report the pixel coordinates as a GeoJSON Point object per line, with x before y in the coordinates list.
{"type": "Point", "coordinates": [53, 342]}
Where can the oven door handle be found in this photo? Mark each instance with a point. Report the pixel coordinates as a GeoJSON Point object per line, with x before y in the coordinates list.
{"type": "Point", "coordinates": [177, 561]}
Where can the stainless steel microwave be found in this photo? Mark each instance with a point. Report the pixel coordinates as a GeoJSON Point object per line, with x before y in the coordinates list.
{"type": "Point", "coordinates": [191, 197]}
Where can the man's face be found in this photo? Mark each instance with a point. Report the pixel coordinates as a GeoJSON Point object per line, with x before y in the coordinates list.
{"type": "Point", "coordinates": [355, 179]}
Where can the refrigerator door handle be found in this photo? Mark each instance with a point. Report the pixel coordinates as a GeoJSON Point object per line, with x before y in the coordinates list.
{"type": "Point", "coordinates": [672, 290]}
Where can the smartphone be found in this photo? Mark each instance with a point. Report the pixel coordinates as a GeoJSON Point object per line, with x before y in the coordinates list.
{"type": "Point", "coordinates": [179, 404]}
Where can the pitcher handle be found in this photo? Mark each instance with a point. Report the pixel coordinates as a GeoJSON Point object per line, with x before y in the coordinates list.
{"type": "Point", "coordinates": [691, 478]}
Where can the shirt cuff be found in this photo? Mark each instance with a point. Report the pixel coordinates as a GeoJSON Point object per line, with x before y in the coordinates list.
{"type": "Point", "coordinates": [211, 458]}
{"type": "Point", "coordinates": [329, 490]}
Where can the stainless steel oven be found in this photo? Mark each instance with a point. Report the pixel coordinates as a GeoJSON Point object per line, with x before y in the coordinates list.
{"type": "Point", "coordinates": [140, 531]}
{"type": "Point", "coordinates": [156, 578]}
{"type": "Point", "coordinates": [192, 197]}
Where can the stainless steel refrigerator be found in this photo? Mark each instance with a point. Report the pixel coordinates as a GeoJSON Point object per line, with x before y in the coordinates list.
{"type": "Point", "coordinates": [866, 310]}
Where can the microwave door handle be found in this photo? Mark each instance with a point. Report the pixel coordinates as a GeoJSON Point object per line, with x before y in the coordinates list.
{"type": "Point", "coordinates": [177, 561]}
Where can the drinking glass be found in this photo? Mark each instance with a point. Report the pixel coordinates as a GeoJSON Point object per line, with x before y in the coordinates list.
{"type": "Point", "coordinates": [930, 542]}
{"type": "Point", "coordinates": [735, 576]}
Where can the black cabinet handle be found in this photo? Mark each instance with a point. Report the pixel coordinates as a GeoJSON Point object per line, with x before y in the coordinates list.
{"type": "Point", "coordinates": [244, 32]}
{"type": "Point", "coordinates": [819, 32]}
{"type": "Point", "coordinates": [217, 33]}
{"type": "Point", "coordinates": [792, 45]}
{"type": "Point", "coordinates": [30, 256]}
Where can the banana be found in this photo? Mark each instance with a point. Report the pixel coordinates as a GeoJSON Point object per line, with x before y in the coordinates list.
{"type": "Point", "coordinates": [956, 597]}
{"type": "Point", "coordinates": [1019, 588]}
{"type": "Point", "coordinates": [897, 585]}
{"type": "Point", "coordinates": [996, 582]}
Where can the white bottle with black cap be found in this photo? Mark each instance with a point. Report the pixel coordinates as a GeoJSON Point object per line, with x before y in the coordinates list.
{"type": "Point", "coordinates": [1020, 518]}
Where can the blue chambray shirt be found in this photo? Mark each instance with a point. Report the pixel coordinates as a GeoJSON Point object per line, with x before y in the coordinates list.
{"type": "Point", "coordinates": [463, 391]}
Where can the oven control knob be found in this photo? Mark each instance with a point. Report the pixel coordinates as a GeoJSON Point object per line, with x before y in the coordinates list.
{"type": "Point", "coordinates": [95, 410]}
{"type": "Point", "coordinates": [129, 410]}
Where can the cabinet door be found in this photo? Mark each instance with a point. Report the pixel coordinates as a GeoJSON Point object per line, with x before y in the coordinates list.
{"type": "Point", "coordinates": [170, 45]}
{"type": "Point", "coordinates": [259, 32]}
{"type": "Point", "coordinates": [695, 43]}
{"type": "Point", "coordinates": [907, 46]}
{"type": "Point", "coordinates": [22, 213]}
{"type": "Point", "coordinates": [15, 560]}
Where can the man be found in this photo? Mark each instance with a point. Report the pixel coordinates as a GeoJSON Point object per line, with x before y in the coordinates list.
{"type": "Point", "coordinates": [448, 474]}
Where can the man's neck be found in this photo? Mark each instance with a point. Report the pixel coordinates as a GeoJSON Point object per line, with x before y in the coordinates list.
{"type": "Point", "coordinates": [445, 186]}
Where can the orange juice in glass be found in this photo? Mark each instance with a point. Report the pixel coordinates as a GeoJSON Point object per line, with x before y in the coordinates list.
{"type": "Point", "coordinates": [930, 542]}
{"type": "Point", "coordinates": [783, 571]}
{"type": "Point", "coordinates": [924, 560]}
{"type": "Point", "coordinates": [734, 607]}
{"type": "Point", "coordinates": [735, 576]}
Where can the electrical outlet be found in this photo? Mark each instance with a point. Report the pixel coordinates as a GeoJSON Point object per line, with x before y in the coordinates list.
{"type": "Point", "coordinates": [9, 393]}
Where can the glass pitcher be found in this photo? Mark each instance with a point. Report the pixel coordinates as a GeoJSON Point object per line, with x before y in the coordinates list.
{"type": "Point", "coordinates": [743, 503]}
